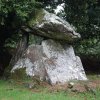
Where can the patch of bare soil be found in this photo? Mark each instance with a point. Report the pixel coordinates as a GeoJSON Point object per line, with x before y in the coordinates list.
{"type": "Point", "coordinates": [77, 87]}
{"type": "Point", "coordinates": [80, 86]}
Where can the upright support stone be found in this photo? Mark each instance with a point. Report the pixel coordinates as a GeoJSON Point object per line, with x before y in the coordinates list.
{"type": "Point", "coordinates": [61, 64]}
{"type": "Point", "coordinates": [52, 62]}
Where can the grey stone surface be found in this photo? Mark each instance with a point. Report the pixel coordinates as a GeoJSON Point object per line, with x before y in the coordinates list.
{"type": "Point", "coordinates": [52, 62]}
{"type": "Point", "coordinates": [51, 26]}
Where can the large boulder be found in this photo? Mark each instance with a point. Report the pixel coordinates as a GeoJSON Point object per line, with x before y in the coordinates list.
{"type": "Point", "coordinates": [52, 62]}
{"type": "Point", "coordinates": [49, 25]}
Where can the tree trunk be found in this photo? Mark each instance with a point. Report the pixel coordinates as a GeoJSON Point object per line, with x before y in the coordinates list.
{"type": "Point", "coordinates": [21, 47]}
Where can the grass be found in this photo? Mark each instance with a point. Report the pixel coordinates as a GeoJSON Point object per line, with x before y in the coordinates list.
{"type": "Point", "coordinates": [13, 91]}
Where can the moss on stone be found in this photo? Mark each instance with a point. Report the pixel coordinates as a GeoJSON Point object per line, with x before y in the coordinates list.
{"type": "Point", "coordinates": [39, 14]}
{"type": "Point", "coordinates": [20, 74]}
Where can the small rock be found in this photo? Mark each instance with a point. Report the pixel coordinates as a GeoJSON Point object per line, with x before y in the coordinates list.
{"type": "Point", "coordinates": [99, 75]}
{"type": "Point", "coordinates": [70, 85]}
{"type": "Point", "coordinates": [29, 85]}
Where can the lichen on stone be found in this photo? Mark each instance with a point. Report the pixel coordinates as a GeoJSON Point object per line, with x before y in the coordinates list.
{"type": "Point", "coordinates": [39, 14]}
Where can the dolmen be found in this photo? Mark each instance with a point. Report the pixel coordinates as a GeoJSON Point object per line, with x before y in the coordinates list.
{"type": "Point", "coordinates": [54, 59]}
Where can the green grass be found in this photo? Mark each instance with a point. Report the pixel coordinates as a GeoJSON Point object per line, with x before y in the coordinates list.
{"type": "Point", "coordinates": [12, 91]}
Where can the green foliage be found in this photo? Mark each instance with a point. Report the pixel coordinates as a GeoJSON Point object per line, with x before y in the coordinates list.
{"type": "Point", "coordinates": [85, 16]}
{"type": "Point", "coordinates": [19, 10]}
{"type": "Point", "coordinates": [13, 15]}
{"type": "Point", "coordinates": [89, 47]}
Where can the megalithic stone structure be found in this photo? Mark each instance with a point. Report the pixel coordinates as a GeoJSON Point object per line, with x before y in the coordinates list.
{"type": "Point", "coordinates": [52, 61]}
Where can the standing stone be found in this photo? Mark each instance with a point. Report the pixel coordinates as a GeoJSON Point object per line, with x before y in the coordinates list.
{"type": "Point", "coordinates": [52, 62]}
{"type": "Point", "coordinates": [63, 65]}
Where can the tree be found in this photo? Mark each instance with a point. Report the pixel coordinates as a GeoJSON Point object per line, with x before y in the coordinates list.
{"type": "Point", "coordinates": [14, 14]}
{"type": "Point", "coordinates": [85, 17]}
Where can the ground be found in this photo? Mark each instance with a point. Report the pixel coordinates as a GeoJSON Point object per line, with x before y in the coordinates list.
{"type": "Point", "coordinates": [26, 90]}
